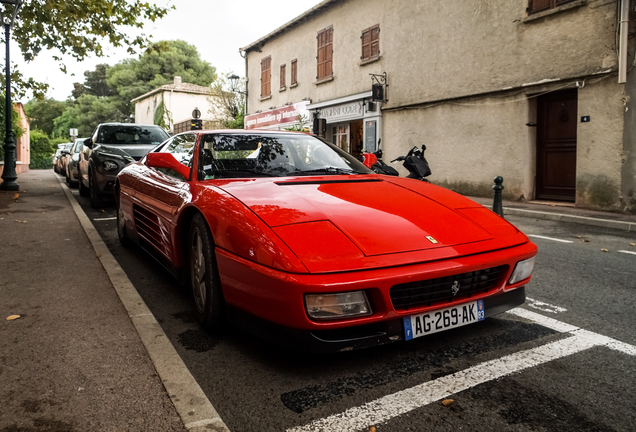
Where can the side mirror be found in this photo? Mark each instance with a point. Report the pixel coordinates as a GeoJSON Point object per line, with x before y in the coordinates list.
{"type": "Point", "coordinates": [88, 142]}
{"type": "Point", "coordinates": [166, 160]}
{"type": "Point", "coordinates": [65, 152]}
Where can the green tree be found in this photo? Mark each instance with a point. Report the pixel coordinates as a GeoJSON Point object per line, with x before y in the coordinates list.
{"type": "Point", "coordinates": [86, 114]}
{"type": "Point", "coordinates": [161, 62]}
{"type": "Point", "coordinates": [79, 28]}
{"type": "Point", "coordinates": [41, 150]}
{"type": "Point", "coordinates": [41, 113]}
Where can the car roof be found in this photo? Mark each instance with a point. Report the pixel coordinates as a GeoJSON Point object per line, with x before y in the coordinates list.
{"type": "Point", "coordinates": [251, 131]}
{"type": "Point", "coordinates": [129, 124]}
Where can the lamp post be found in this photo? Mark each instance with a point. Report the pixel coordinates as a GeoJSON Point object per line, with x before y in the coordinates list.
{"type": "Point", "coordinates": [234, 86]}
{"type": "Point", "coordinates": [9, 176]}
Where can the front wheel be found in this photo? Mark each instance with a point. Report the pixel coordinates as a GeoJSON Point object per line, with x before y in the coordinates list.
{"type": "Point", "coordinates": [95, 198]}
{"type": "Point", "coordinates": [83, 190]}
{"type": "Point", "coordinates": [204, 277]}
{"type": "Point", "coordinates": [121, 228]}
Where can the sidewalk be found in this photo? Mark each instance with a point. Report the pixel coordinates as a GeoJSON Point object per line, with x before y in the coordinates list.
{"type": "Point", "coordinates": [564, 213]}
{"type": "Point", "coordinates": [73, 361]}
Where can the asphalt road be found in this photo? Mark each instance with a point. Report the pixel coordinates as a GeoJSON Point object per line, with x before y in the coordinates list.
{"type": "Point", "coordinates": [558, 380]}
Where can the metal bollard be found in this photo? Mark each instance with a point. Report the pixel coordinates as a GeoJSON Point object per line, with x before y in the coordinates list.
{"type": "Point", "coordinates": [497, 204]}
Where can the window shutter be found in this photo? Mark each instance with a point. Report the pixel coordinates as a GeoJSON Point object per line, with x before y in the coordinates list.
{"type": "Point", "coordinates": [266, 76]}
{"type": "Point", "coordinates": [294, 71]}
{"type": "Point", "coordinates": [375, 41]}
{"type": "Point", "coordinates": [371, 42]}
{"type": "Point", "coordinates": [325, 53]}
{"type": "Point", "coordinates": [283, 72]}
{"type": "Point", "coordinates": [541, 5]}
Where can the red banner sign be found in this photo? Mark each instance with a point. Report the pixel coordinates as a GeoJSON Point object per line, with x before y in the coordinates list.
{"type": "Point", "coordinates": [286, 114]}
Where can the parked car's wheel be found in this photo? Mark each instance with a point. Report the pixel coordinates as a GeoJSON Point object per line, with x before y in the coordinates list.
{"type": "Point", "coordinates": [204, 277]}
{"type": "Point", "coordinates": [83, 190]}
{"type": "Point", "coordinates": [95, 198]}
{"type": "Point", "coordinates": [121, 228]}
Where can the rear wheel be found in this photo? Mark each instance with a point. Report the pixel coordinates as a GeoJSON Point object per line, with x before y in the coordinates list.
{"type": "Point", "coordinates": [96, 199]}
{"type": "Point", "coordinates": [204, 277]}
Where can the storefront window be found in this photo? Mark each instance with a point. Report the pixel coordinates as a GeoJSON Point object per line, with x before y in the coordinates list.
{"type": "Point", "coordinates": [341, 137]}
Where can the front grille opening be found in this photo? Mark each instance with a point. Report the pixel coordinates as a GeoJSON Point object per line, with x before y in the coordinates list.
{"type": "Point", "coordinates": [439, 291]}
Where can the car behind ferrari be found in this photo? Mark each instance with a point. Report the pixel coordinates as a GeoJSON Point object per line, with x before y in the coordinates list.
{"type": "Point", "coordinates": [294, 239]}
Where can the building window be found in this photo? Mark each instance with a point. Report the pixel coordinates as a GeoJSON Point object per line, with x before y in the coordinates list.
{"type": "Point", "coordinates": [340, 137]}
{"type": "Point", "coordinates": [371, 42]}
{"type": "Point", "coordinates": [266, 76]}
{"type": "Point", "coordinates": [294, 72]}
{"type": "Point", "coordinates": [541, 5]}
{"type": "Point", "coordinates": [325, 53]}
{"type": "Point", "coordinates": [283, 72]}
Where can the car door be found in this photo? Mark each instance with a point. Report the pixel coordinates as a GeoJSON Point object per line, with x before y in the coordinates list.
{"type": "Point", "coordinates": [84, 158]}
{"type": "Point", "coordinates": [161, 193]}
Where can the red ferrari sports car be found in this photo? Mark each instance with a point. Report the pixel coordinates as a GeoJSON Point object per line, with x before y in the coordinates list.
{"type": "Point", "coordinates": [296, 240]}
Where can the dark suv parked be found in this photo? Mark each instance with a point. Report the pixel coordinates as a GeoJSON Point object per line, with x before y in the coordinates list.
{"type": "Point", "coordinates": [112, 147]}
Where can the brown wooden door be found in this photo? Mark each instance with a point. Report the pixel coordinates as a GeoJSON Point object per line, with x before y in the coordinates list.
{"type": "Point", "coordinates": [556, 146]}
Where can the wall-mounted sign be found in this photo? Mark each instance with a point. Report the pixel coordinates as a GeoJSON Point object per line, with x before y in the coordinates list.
{"type": "Point", "coordinates": [286, 114]}
{"type": "Point", "coordinates": [585, 119]}
{"type": "Point", "coordinates": [342, 112]}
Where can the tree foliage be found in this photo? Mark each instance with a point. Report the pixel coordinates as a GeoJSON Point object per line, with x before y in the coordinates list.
{"type": "Point", "coordinates": [161, 62]}
{"type": "Point", "coordinates": [79, 28]}
{"type": "Point", "coordinates": [86, 114]}
{"type": "Point", "coordinates": [15, 125]}
{"type": "Point", "coordinates": [94, 83]}
{"type": "Point", "coordinates": [42, 113]}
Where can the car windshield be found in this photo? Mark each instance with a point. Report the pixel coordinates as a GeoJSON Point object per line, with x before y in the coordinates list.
{"type": "Point", "coordinates": [131, 134]}
{"type": "Point", "coordinates": [273, 155]}
{"type": "Point", "coordinates": [78, 145]}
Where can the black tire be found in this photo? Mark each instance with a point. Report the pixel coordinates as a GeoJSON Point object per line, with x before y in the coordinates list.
{"type": "Point", "coordinates": [83, 190]}
{"type": "Point", "coordinates": [121, 228]}
{"type": "Point", "coordinates": [95, 198]}
{"type": "Point", "coordinates": [204, 277]}
{"type": "Point", "coordinates": [67, 177]}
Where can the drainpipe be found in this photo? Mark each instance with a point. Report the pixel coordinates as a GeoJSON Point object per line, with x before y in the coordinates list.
{"type": "Point", "coordinates": [244, 55]}
{"type": "Point", "coordinates": [622, 50]}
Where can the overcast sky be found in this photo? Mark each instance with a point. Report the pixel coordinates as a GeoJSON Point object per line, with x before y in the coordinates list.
{"type": "Point", "coordinates": [218, 28]}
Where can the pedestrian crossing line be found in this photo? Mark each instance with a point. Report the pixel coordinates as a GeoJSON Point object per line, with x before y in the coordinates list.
{"type": "Point", "coordinates": [627, 252]}
{"type": "Point", "coordinates": [550, 238]}
{"type": "Point", "coordinates": [388, 407]}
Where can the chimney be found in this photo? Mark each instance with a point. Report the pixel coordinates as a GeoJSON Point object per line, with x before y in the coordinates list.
{"type": "Point", "coordinates": [177, 80]}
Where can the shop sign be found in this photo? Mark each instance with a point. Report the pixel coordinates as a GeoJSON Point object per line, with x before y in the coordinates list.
{"type": "Point", "coordinates": [345, 111]}
{"type": "Point", "coordinates": [286, 114]}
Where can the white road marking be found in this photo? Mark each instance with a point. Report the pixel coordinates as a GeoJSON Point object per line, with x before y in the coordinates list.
{"type": "Point", "coordinates": [550, 238]}
{"type": "Point", "coordinates": [101, 219]}
{"type": "Point", "coordinates": [627, 252]}
{"type": "Point", "coordinates": [385, 408]}
{"type": "Point", "coordinates": [545, 307]}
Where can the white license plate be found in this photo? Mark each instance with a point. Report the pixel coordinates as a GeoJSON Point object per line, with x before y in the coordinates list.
{"type": "Point", "coordinates": [443, 319]}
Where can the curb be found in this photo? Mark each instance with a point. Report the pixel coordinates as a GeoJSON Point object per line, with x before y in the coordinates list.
{"type": "Point", "coordinates": [561, 217]}
{"type": "Point", "coordinates": [189, 400]}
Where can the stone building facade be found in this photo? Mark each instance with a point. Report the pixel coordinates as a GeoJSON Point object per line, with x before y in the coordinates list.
{"type": "Point", "coordinates": [525, 89]}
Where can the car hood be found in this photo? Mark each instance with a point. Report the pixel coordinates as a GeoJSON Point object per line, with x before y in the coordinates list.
{"type": "Point", "coordinates": [137, 151]}
{"type": "Point", "coordinates": [331, 220]}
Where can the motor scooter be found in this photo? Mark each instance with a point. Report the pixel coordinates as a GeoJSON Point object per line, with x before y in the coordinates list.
{"type": "Point", "coordinates": [415, 163]}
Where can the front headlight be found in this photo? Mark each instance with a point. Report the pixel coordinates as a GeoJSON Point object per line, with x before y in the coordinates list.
{"type": "Point", "coordinates": [522, 270]}
{"type": "Point", "coordinates": [337, 305]}
{"type": "Point", "coordinates": [109, 165]}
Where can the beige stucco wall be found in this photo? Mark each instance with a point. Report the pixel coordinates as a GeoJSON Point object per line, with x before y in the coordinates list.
{"type": "Point", "coordinates": [438, 50]}
{"type": "Point", "coordinates": [469, 143]}
{"type": "Point", "coordinates": [600, 145]}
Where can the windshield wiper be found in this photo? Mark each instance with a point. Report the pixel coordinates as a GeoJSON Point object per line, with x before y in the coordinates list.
{"type": "Point", "coordinates": [244, 170]}
{"type": "Point", "coordinates": [326, 170]}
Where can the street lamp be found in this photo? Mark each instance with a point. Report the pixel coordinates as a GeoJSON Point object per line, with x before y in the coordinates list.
{"type": "Point", "coordinates": [9, 175]}
{"type": "Point", "coordinates": [234, 84]}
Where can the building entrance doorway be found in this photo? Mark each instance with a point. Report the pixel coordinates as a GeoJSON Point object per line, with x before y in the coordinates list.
{"type": "Point", "coordinates": [556, 146]}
